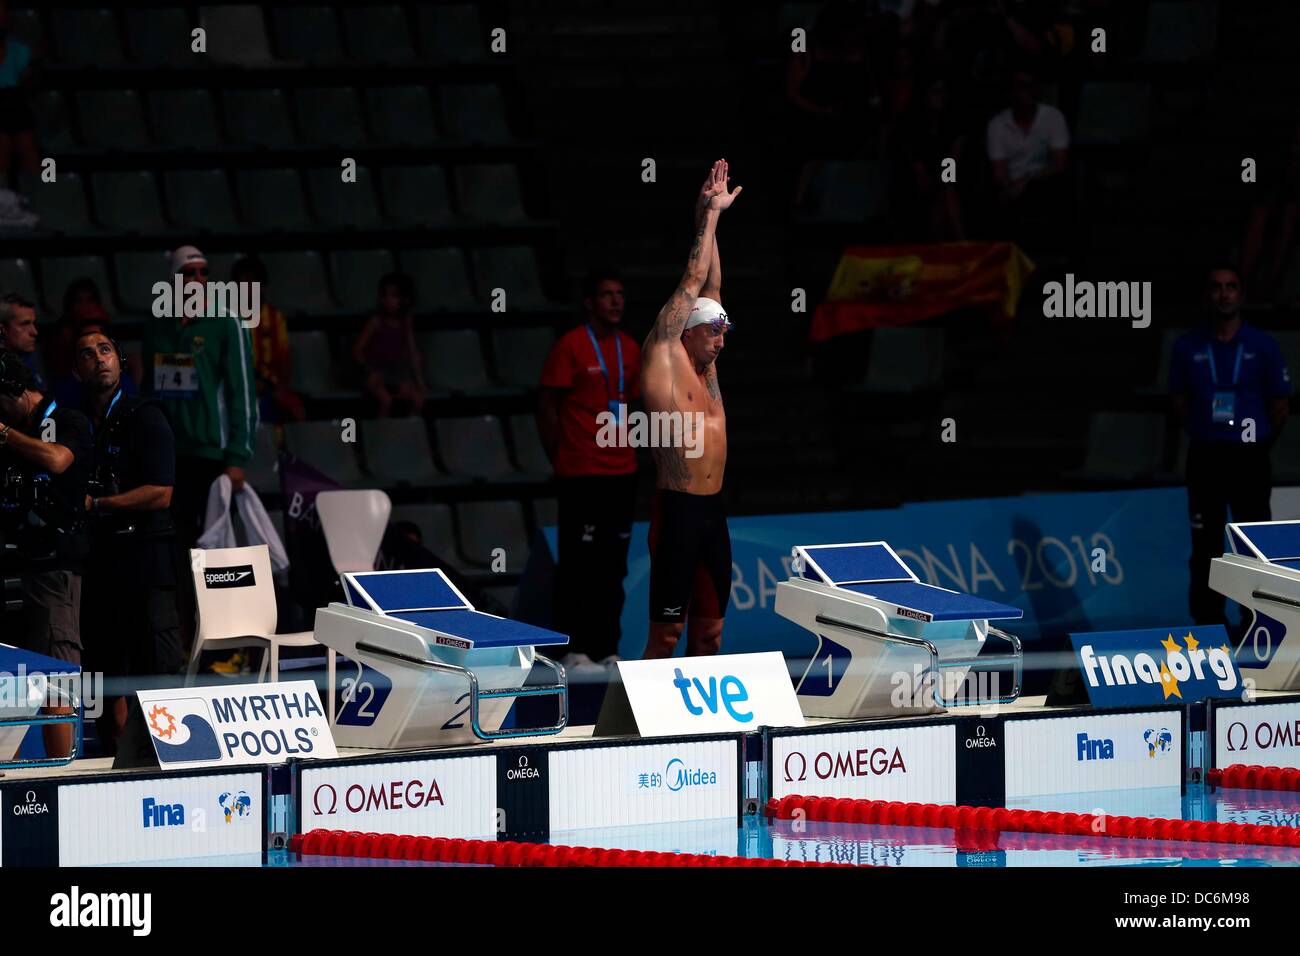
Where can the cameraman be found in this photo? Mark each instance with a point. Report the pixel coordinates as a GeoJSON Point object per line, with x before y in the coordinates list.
{"type": "Point", "coordinates": [50, 448]}
{"type": "Point", "coordinates": [132, 628]}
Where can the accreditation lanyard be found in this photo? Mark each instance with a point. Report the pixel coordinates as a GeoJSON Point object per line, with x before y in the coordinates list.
{"type": "Point", "coordinates": [615, 403]}
{"type": "Point", "coordinates": [1223, 406]}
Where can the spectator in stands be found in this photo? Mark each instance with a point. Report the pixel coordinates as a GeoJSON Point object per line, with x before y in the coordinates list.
{"type": "Point", "coordinates": [593, 368]}
{"type": "Point", "coordinates": [931, 136]}
{"type": "Point", "coordinates": [1028, 148]}
{"type": "Point", "coordinates": [201, 371]}
{"type": "Point", "coordinates": [18, 332]}
{"type": "Point", "coordinates": [17, 124]}
{"type": "Point", "coordinates": [386, 349]}
{"type": "Point", "coordinates": [277, 401]}
{"type": "Point", "coordinates": [1270, 225]}
{"type": "Point", "coordinates": [83, 311]}
{"type": "Point", "coordinates": [1231, 390]}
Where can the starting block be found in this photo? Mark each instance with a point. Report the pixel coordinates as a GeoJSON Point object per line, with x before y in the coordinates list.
{"type": "Point", "coordinates": [26, 687]}
{"type": "Point", "coordinates": [874, 621]}
{"type": "Point", "coordinates": [1261, 572]}
{"type": "Point", "coordinates": [424, 668]}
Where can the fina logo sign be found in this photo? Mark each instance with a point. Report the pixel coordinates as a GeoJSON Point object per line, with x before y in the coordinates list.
{"type": "Point", "coordinates": [1155, 665]}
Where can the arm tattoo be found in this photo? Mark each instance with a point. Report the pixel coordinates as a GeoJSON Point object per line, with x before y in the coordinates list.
{"type": "Point", "coordinates": [672, 318]}
{"type": "Point", "coordinates": [711, 383]}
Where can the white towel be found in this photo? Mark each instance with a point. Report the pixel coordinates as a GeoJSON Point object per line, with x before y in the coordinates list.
{"type": "Point", "coordinates": [219, 531]}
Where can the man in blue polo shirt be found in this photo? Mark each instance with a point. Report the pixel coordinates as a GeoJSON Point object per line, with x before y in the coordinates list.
{"type": "Point", "coordinates": [1232, 391]}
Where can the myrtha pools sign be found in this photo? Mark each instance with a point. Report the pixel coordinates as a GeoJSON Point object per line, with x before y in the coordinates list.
{"type": "Point", "coordinates": [242, 724]}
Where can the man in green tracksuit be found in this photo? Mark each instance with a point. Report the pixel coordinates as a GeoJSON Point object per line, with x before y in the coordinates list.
{"type": "Point", "coordinates": [201, 371]}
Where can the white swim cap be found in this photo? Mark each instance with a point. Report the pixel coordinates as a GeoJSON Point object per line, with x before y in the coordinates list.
{"type": "Point", "coordinates": [707, 312]}
{"type": "Point", "coordinates": [184, 255]}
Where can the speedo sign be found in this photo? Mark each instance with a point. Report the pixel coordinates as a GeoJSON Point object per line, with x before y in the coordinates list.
{"type": "Point", "coordinates": [913, 764]}
{"type": "Point", "coordinates": [236, 576]}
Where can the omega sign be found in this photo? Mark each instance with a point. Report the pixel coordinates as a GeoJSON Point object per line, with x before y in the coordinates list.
{"type": "Point", "coordinates": [1264, 736]}
{"type": "Point", "coordinates": [522, 771]}
{"type": "Point", "coordinates": [980, 740]}
{"type": "Point", "coordinates": [31, 807]}
{"type": "Point", "coordinates": [863, 762]}
{"type": "Point", "coordinates": [394, 795]}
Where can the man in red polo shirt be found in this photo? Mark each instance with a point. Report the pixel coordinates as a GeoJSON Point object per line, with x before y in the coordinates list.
{"type": "Point", "coordinates": [594, 368]}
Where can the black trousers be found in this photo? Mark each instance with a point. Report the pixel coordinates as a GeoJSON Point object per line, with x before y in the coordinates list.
{"type": "Point", "coordinates": [1221, 478]}
{"type": "Point", "coordinates": [595, 529]}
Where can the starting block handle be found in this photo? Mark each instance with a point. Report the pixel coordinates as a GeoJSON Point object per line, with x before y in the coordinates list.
{"type": "Point", "coordinates": [560, 689]}
{"type": "Point", "coordinates": [1259, 595]}
{"type": "Point", "coordinates": [1015, 657]}
{"type": "Point", "coordinates": [45, 720]}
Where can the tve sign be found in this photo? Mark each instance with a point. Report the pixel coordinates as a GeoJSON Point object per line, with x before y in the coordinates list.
{"type": "Point", "coordinates": [691, 695]}
{"type": "Point", "coordinates": [238, 724]}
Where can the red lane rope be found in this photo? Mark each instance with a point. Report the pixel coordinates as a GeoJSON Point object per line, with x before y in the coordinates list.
{"type": "Point", "coordinates": [889, 813]}
{"type": "Point", "coordinates": [1239, 776]}
{"type": "Point", "coordinates": [505, 853]}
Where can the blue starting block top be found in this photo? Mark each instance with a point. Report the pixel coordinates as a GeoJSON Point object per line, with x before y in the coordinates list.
{"type": "Point", "coordinates": [871, 568]}
{"type": "Point", "coordinates": [1277, 542]}
{"type": "Point", "coordinates": [12, 658]}
{"type": "Point", "coordinates": [428, 599]}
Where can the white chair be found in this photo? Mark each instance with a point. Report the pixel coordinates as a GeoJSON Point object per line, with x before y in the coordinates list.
{"type": "Point", "coordinates": [354, 523]}
{"type": "Point", "coordinates": [236, 607]}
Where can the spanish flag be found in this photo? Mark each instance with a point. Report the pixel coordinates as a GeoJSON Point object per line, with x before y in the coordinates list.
{"type": "Point", "coordinates": [897, 285]}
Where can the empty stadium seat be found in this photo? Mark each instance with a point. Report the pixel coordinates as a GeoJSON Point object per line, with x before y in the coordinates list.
{"type": "Point", "coordinates": [356, 277]}
{"type": "Point", "coordinates": [397, 451]}
{"type": "Point", "coordinates": [1180, 31]}
{"type": "Point", "coordinates": [402, 115]}
{"type": "Point", "coordinates": [299, 282]}
{"type": "Point", "coordinates": [905, 360]}
{"type": "Point", "coordinates": [263, 472]}
{"type": "Point", "coordinates": [1124, 446]}
{"type": "Point", "coordinates": [416, 195]}
{"type": "Point", "coordinates": [160, 36]}
{"type": "Point", "coordinates": [520, 355]}
{"type": "Point", "coordinates": [451, 33]}
{"type": "Point", "coordinates": [236, 33]}
{"type": "Point", "coordinates": [490, 193]}
{"type": "Point", "coordinates": [257, 117]}
{"type": "Point", "coordinates": [184, 119]}
{"type": "Point", "coordinates": [329, 117]}
{"type": "Point", "coordinates": [1289, 343]}
{"type": "Point", "coordinates": [59, 271]}
{"type": "Point", "coordinates": [86, 37]}
{"type": "Point", "coordinates": [475, 114]}
{"type": "Point", "coordinates": [112, 119]}
{"type": "Point", "coordinates": [200, 199]}
{"type": "Point", "coordinates": [321, 445]}
{"type": "Point", "coordinates": [349, 205]}
{"type": "Point", "coordinates": [474, 447]}
{"type": "Point", "coordinates": [437, 528]}
{"type": "Point", "coordinates": [136, 274]}
{"type": "Point", "coordinates": [272, 199]}
{"type": "Point", "coordinates": [512, 268]}
{"type": "Point", "coordinates": [307, 34]}
{"type": "Point", "coordinates": [16, 276]}
{"type": "Point", "coordinates": [62, 204]}
{"type": "Point", "coordinates": [313, 369]}
{"type": "Point", "coordinates": [1113, 113]}
{"type": "Point", "coordinates": [845, 191]}
{"type": "Point", "coordinates": [377, 34]}
{"type": "Point", "coordinates": [453, 360]}
{"type": "Point", "coordinates": [486, 526]}
{"type": "Point", "coordinates": [128, 201]}
{"type": "Point", "coordinates": [441, 282]}
{"type": "Point", "coordinates": [1168, 338]}
{"type": "Point", "coordinates": [55, 130]}
{"type": "Point", "coordinates": [529, 453]}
